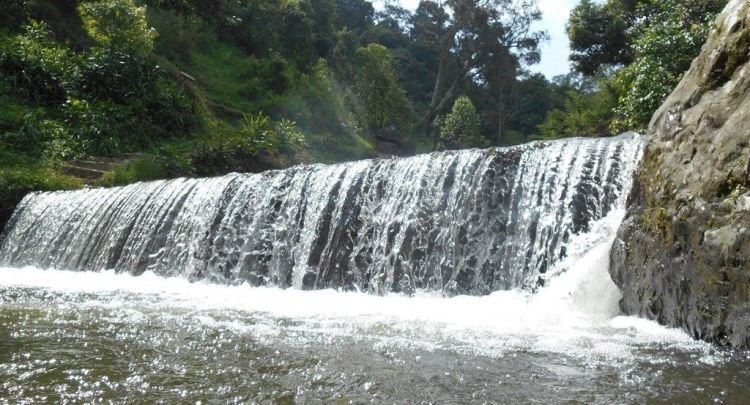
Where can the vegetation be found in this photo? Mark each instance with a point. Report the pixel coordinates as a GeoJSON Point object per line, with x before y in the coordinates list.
{"type": "Point", "coordinates": [635, 52]}
{"type": "Point", "coordinates": [198, 87]}
{"type": "Point", "coordinates": [462, 126]}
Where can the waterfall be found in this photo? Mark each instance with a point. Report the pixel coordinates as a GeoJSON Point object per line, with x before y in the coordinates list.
{"type": "Point", "coordinates": [459, 222]}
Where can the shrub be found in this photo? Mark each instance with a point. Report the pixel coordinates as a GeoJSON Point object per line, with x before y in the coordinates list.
{"type": "Point", "coordinates": [671, 37]}
{"type": "Point", "coordinates": [383, 101]}
{"type": "Point", "coordinates": [260, 135]}
{"type": "Point", "coordinates": [258, 144]}
{"type": "Point", "coordinates": [461, 128]}
{"type": "Point", "coordinates": [116, 75]}
{"type": "Point", "coordinates": [118, 24]}
{"type": "Point", "coordinates": [35, 66]}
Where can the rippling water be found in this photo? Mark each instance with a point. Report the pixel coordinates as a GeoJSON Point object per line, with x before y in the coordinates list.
{"type": "Point", "coordinates": [84, 337]}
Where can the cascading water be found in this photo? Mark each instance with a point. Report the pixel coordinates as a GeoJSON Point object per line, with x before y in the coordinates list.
{"type": "Point", "coordinates": [187, 300]}
{"type": "Point", "coordinates": [468, 222]}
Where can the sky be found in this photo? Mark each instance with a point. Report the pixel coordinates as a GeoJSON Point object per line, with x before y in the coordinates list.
{"type": "Point", "coordinates": [555, 15]}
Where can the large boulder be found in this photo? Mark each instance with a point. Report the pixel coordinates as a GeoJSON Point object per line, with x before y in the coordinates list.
{"type": "Point", "coordinates": [682, 254]}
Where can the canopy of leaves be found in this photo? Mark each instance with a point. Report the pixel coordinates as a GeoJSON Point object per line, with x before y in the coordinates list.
{"type": "Point", "coordinates": [670, 40]}
{"type": "Point", "coordinates": [383, 101]}
{"type": "Point", "coordinates": [639, 50]}
{"type": "Point", "coordinates": [118, 23]}
{"type": "Point", "coordinates": [599, 36]}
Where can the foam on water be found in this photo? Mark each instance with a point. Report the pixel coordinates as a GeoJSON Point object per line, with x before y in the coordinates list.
{"type": "Point", "coordinates": [466, 222]}
{"type": "Point", "coordinates": [576, 314]}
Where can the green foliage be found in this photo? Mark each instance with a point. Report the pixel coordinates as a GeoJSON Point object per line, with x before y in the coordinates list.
{"type": "Point", "coordinates": [19, 177]}
{"type": "Point", "coordinates": [174, 158]}
{"type": "Point", "coordinates": [382, 100]}
{"type": "Point", "coordinates": [642, 47]}
{"type": "Point", "coordinates": [461, 128]}
{"type": "Point", "coordinates": [228, 76]}
{"type": "Point", "coordinates": [583, 114]}
{"type": "Point", "coordinates": [178, 34]}
{"type": "Point", "coordinates": [298, 38]}
{"type": "Point", "coordinates": [35, 66]}
{"type": "Point", "coordinates": [144, 168]}
{"type": "Point", "coordinates": [14, 14]}
{"type": "Point", "coordinates": [118, 23]}
{"type": "Point", "coordinates": [259, 143]}
{"type": "Point", "coordinates": [663, 52]}
{"type": "Point", "coordinates": [259, 134]}
{"type": "Point", "coordinates": [102, 102]}
{"type": "Point", "coordinates": [598, 35]}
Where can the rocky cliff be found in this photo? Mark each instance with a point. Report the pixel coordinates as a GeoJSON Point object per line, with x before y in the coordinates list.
{"type": "Point", "coordinates": [682, 254]}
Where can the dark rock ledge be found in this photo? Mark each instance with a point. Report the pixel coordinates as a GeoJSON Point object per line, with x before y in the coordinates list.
{"type": "Point", "coordinates": [682, 254]}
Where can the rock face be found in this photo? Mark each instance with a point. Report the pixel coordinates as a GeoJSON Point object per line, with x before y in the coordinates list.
{"type": "Point", "coordinates": [682, 256]}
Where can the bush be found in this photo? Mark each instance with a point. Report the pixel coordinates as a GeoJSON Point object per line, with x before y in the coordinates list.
{"type": "Point", "coordinates": [258, 144]}
{"type": "Point", "coordinates": [116, 75]}
{"type": "Point", "coordinates": [671, 37]}
{"type": "Point", "coordinates": [97, 125]}
{"type": "Point", "coordinates": [259, 135]}
{"type": "Point", "coordinates": [461, 128]}
{"type": "Point", "coordinates": [35, 66]}
{"type": "Point", "coordinates": [118, 24]}
{"type": "Point", "coordinates": [144, 168]}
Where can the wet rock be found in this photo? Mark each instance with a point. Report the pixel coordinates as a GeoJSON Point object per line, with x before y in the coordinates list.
{"type": "Point", "coordinates": [682, 253]}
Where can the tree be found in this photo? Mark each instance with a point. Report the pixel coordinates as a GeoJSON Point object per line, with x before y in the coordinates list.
{"type": "Point", "coordinates": [599, 36]}
{"type": "Point", "coordinates": [356, 15]}
{"type": "Point", "coordinates": [470, 36]}
{"type": "Point", "coordinates": [605, 34]}
{"type": "Point", "coordinates": [118, 23]}
{"type": "Point", "coordinates": [461, 128]}
{"type": "Point", "coordinates": [382, 99]}
{"type": "Point", "coordinates": [671, 38]}
{"type": "Point", "coordinates": [323, 15]}
{"type": "Point", "coordinates": [532, 98]}
{"type": "Point", "coordinates": [585, 113]}
{"type": "Point", "coordinates": [641, 49]}
{"type": "Point", "coordinates": [298, 41]}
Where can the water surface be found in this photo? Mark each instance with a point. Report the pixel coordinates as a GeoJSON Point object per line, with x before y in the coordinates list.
{"type": "Point", "coordinates": [84, 336]}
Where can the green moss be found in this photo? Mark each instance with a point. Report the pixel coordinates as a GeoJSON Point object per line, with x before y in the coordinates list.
{"type": "Point", "coordinates": [19, 176]}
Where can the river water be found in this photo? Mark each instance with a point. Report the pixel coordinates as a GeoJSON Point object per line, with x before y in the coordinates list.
{"type": "Point", "coordinates": [83, 337]}
{"type": "Point", "coordinates": [476, 276]}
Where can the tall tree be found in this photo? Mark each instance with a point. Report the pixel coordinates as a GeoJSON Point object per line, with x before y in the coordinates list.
{"type": "Point", "coordinates": [605, 33]}
{"type": "Point", "coordinates": [383, 101]}
{"type": "Point", "coordinates": [356, 15]}
{"type": "Point", "coordinates": [470, 35]}
{"type": "Point", "coordinates": [599, 35]}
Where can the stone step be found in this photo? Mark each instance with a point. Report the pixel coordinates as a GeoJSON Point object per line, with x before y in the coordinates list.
{"type": "Point", "coordinates": [95, 165]}
{"type": "Point", "coordinates": [92, 169]}
{"type": "Point", "coordinates": [82, 172]}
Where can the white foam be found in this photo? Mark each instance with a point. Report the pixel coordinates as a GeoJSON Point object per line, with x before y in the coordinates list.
{"type": "Point", "coordinates": [576, 314]}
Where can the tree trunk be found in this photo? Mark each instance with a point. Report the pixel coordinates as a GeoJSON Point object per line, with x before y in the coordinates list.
{"type": "Point", "coordinates": [500, 117]}
{"type": "Point", "coordinates": [450, 94]}
{"type": "Point", "coordinates": [430, 115]}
